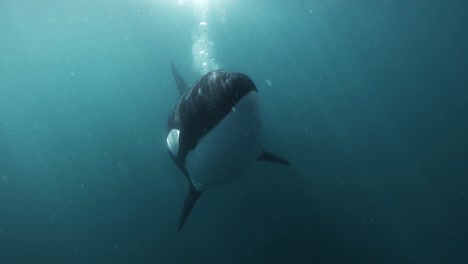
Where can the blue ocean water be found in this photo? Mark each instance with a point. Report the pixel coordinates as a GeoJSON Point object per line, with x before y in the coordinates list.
{"type": "Point", "coordinates": [368, 100]}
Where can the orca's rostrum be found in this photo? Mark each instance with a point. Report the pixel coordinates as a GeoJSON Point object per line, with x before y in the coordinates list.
{"type": "Point", "coordinates": [214, 132]}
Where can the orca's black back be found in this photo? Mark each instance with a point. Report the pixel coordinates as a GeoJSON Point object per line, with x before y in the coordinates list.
{"type": "Point", "coordinates": [208, 102]}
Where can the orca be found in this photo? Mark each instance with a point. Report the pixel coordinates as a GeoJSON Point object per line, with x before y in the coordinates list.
{"type": "Point", "coordinates": [214, 132]}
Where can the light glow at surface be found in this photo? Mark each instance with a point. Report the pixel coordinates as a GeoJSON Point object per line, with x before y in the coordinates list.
{"type": "Point", "coordinates": [203, 14]}
{"type": "Point", "coordinates": [202, 45]}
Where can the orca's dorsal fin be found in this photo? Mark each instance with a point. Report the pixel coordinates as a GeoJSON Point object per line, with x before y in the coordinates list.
{"type": "Point", "coordinates": [271, 157]}
{"type": "Point", "coordinates": [180, 82]}
{"type": "Point", "coordinates": [192, 196]}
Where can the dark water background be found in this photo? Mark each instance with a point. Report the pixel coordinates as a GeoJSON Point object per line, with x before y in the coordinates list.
{"type": "Point", "coordinates": [368, 99]}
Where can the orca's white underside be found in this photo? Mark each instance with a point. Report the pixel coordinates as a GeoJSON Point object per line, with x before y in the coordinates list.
{"type": "Point", "coordinates": [228, 150]}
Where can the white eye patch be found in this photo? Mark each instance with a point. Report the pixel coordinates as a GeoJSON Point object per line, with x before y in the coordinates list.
{"type": "Point", "coordinates": [173, 141]}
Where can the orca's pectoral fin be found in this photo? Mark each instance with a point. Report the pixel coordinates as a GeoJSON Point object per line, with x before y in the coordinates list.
{"type": "Point", "coordinates": [192, 196]}
{"type": "Point", "coordinates": [180, 82]}
{"type": "Point", "coordinates": [271, 157]}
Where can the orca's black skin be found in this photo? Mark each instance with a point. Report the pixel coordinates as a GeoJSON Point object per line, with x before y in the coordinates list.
{"type": "Point", "coordinates": [180, 82]}
{"type": "Point", "coordinates": [198, 110]}
{"type": "Point", "coordinates": [271, 157]}
{"type": "Point", "coordinates": [202, 107]}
